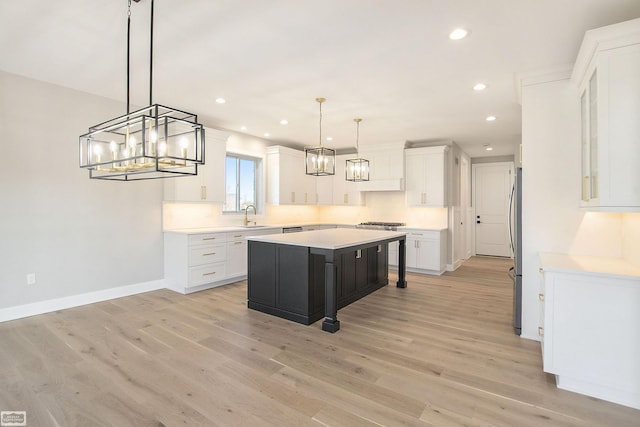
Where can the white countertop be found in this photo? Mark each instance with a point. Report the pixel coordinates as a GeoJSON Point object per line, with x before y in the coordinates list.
{"type": "Point", "coordinates": [333, 238]}
{"type": "Point", "coordinates": [609, 266]}
{"type": "Point", "coordinates": [223, 229]}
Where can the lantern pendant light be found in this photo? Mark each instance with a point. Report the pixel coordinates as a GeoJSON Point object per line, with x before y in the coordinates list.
{"type": "Point", "coordinates": [154, 142]}
{"type": "Point", "coordinates": [320, 160]}
{"type": "Point", "coordinates": [357, 169]}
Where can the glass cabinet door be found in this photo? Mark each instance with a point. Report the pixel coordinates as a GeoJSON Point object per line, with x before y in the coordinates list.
{"type": "Point", "coordinates": [585, 147]}
{"type": "Point", "coordinates": [593, 135]}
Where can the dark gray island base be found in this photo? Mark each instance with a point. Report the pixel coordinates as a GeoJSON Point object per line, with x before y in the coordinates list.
{"type": "Point", "coordinates": [304, 283]}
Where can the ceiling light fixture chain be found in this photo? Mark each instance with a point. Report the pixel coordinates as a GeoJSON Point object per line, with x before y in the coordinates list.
{"type": "Point", "coordinates": [320, 101]}
{"type": "Point", "coordinates": [357, 120]}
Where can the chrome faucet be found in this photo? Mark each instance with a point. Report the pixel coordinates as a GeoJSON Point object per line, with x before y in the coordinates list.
{"type": "Point", "coordinates": [246, 212]}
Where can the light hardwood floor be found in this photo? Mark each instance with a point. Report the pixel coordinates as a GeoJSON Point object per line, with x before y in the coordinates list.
{"type": "Point", "coordinates": [440, 353]}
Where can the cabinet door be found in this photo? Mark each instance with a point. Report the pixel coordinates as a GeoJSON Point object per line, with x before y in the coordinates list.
{"type": "Point", "coordinates": [393, 253]}
{"type": "Point", "coordinates": [236, 259]}
{"type": "Point", "coordinates": [208, 185]}
{"type": "Point", "coordinates": [434, 179]}
{"type": "Point", "coordinates": [415, 182]}
{"type": "Point", "coordinates": [428, 254]}
{"type": "Point", "coordinates": [411, 252]}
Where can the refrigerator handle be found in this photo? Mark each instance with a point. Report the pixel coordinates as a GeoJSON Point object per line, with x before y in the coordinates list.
{"type": "Point", "coordinates": [509, 220]}
{"type": "Point", "coordinates": [512, 273]}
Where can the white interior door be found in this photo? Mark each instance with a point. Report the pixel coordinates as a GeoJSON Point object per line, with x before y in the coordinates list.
{"type": "Point", "coordinates": [491, 201]}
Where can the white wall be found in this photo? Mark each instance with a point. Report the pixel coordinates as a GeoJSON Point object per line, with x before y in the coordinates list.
{"type": "Point", "coordinates": [78, 235]}
{"type": "Point", "coordinates": [552, 219]}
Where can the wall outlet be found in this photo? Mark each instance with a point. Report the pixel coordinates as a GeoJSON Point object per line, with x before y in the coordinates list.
{"type": "Point", "coordinates": [31, 279]}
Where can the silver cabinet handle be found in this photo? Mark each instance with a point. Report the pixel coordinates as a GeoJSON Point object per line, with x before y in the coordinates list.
{"type": "Point", "coordinates": [209, 274]}
{"type": "Point", "coordinates": [541, 297]}
{"type": "Point", "coordinates": [540, 331]}
{"type": "Point", "coordinates": [358, 253]}
{"type": "Point", "coordinates": [238, 235]}
{"type": "Point", "coordinates": [238, 243]}
{"type": "Point", "coordinates": [209, 238]}
{"type": "Point", "coordinates": [210, 253]}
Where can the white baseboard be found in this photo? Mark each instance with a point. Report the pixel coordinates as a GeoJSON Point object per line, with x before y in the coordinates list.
{"type": "Point", "coordinates": [604, 392]}
{"type": "Point", "coordinates": [41, 307]}
{"type": "Point", "coordinates": [454, 266]}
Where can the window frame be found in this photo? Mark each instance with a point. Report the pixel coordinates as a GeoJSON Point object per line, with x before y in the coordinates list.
{"type": "Point", "coordinates": [256, 181]}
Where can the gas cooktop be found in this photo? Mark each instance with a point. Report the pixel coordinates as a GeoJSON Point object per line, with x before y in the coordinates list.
{"type": "Point", "coordinates": [379, 225]}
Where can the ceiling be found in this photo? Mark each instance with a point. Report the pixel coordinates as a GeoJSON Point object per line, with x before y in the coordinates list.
{"type": "Point", "coordinates": [388, 61]}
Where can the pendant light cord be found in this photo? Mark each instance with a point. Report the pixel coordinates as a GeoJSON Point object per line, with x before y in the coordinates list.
{"type": "Point", "coordinates": [128, 51]}
{"type": "Point", "coordinates": [151, 59]}
{"type": "Point", "coordinates": [357, 138]}
{"type": "Point", "coordinates": [320, 123]}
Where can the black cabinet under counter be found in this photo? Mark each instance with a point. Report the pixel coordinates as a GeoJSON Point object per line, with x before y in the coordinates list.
{"type": "Point", "coordinates": [289, 280]}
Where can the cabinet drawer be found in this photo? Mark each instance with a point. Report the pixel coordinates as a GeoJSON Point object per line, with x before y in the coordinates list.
{"type": "Point", "coordinates": [238, 236]}
{"type": "Point", "coordinates": [197, 239]}
{"type": "Point", "coordinates": [424, 234]}
{"type": "Point", "coordinates": [208, 254]}
{"type": "Point", "coordinates": [206, 274]}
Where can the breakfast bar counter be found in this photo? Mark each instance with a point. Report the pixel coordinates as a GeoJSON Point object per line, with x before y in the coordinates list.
{"type": "Point", "coordinates": [301, 276]}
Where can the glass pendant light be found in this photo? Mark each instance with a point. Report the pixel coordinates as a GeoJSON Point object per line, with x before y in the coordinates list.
{"type": "Point", "coordinates": [320, 160]}
{"type": "Point", "coordinates": [154, 142]}
{"type": "Point", "coordinates": [357, 169]}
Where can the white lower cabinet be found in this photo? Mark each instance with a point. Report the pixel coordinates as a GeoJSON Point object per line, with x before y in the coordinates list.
{"type": "Point", "coordinates": [194, 262]}
{"type": "Point", "coordinates": [590, 328]}
{"type": "Point", "coordinates": [425, 251]}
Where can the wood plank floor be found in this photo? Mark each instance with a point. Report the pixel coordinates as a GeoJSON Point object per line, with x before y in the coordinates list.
{"type": "Point", "coordinates": [439, 353]}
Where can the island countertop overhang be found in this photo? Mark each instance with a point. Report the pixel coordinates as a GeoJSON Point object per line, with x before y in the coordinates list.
{"type": "Point", "coordinates": [331, 239]}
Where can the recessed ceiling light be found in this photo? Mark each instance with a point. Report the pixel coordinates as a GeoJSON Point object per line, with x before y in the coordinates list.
{"type": "Point", "coordinates": [458, 33]}
{"type": "Point", "coordinates": [267, 134]}
{"type": "Point", "coordinates": [284, 122]}
{"type": "Point", "coordinates": [329, 138]}
{"type": "Point", "coordinates": [243, 128]}
{"type": "Point", "coordinates": [488, 147]}
{"type": "Point", "coordinates": [490, 118]}
{"type": "Point", "coordinates": [221, 100]}
{"type": "Point", "coordinates": [480, 86]}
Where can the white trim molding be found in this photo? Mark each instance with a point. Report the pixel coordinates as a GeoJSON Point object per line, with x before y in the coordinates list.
{"type": "Point", "coordinates": [42, 307]}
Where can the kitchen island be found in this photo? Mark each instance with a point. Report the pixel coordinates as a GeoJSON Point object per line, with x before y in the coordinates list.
{"type": "Point", "coordinates": [301, 276]}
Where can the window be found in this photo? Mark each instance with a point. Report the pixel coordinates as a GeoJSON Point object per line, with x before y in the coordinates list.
{"type": "Point", "coordinates": [241, 177]}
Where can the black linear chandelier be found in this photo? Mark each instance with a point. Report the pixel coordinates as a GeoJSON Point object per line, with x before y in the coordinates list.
{"type": "Point", "coordinates": [150, 143]}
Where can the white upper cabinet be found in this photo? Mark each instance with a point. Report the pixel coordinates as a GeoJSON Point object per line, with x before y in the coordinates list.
{"type": "Point", "coordinates": [208, 185]}
{"type": "Point", "coordinates": [287, 182]}
{"type": "Point", "coordinates": [346, 193]}
{"type": "Point", "coordinates": [426, 176]}
{"type": "Point", "coordinates": [386, 167]}
{"type": "Point", "coordinates": [607, 73]}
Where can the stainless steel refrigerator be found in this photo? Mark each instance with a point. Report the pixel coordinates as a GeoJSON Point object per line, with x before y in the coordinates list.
{"type": "Point", "coordinates": [515, 234]}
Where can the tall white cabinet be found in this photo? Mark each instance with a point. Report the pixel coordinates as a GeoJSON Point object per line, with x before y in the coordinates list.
{"type": "Point", "coordinates": [426, 171]}
{"type": "Point", "coordinates": [287, 183]}
{"type": "Point", "coordinates": [607, 73]}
